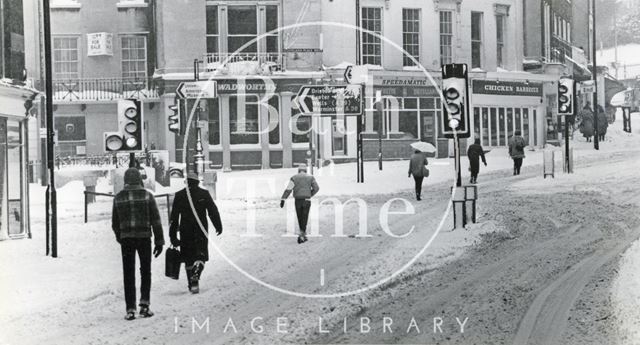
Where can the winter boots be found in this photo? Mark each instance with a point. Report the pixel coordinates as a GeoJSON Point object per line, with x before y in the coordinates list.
{"type": "Point", "coordinates": [302, 238]}
{"type": "Point", "coordinates": [131, 315]}
{"type": "Point", "coordinates": [193, 276]}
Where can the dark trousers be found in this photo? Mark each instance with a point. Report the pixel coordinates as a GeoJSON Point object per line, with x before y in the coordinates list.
{"type": "Point", "coordinates": [418, 180]}
{"type": "Point", "coordinates": [517, 164]}
{"type": "Point", "coordinates": [302, 211]}
{"type": "Point", "coordinates": [474, 168]}
{"type": "Point", "coordinates": [129, 248]}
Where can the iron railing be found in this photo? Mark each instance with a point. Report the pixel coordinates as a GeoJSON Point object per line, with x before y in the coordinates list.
{"type": "Point", "coordinates": [102, 89]}
{"type": "Point", "coordinates": [215, 61]}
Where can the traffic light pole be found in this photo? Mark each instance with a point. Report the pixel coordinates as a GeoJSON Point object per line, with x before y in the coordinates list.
{"type": "Point", "coordinates": [456, 152]}
{"type": "Point", "coordinates": [379, 111]}
{"type": "Point", "coordinates": [567, 159]}
{"type": "Point", "coordinates": [51, 212]}
{"type": "Point", "coordinates": [594, 74]}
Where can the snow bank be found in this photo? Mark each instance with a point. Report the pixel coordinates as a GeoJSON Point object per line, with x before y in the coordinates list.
{"type": "Point", "coordinates": [626, 296]}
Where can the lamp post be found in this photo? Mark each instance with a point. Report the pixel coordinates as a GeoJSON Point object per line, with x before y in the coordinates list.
{"type": "Point", "coordinates": [594, 74]}
{"type": "Point", "coordinates": [51, 212]}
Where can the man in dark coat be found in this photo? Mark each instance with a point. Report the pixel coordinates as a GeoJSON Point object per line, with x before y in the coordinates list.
{"type": "Point", "coordinates": [134, 215]}
{"type": "Point", "coordinates": [417, 168]}
{"type": "Point", "coordinates": [603, 123]}
{"type": "Point", "coordinates": [516, 151]}
{"type": "Point", "coordinates": [303, 186]}
{"type": "Point", "coordinates": [194, 240]}
{"type": "Point", "coordinates": [475, 152]}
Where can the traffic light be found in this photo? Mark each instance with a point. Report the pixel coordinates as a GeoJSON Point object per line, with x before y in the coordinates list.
{"type": "Point", "coordinates": [130, 123]}
{"type": "Point", "coordinates": [456, 101]}
{"type": "Point", "coordinates": [566, 91]}
{"type": "Point", "coordinates": [175, 125]}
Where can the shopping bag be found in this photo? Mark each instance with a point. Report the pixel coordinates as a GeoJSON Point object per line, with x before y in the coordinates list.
{"type": "Point", "coordinates": [172, 263]}
{"type": "Point", "coordinates": [425, 171]}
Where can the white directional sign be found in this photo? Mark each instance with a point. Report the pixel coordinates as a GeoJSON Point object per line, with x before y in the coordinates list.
{"type": "Point", "coordinates": [197, 89]}
{"type": "Point", "coordinates": [330, 99]}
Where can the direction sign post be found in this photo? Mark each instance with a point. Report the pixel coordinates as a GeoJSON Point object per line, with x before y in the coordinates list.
{"type": "Point", "coordinates": [330, 100]}
{"type": "Point", "coordinates": [197, 89]}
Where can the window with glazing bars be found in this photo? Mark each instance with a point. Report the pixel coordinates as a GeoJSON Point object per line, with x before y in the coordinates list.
{"type": "Point", "coordinates": [410, 35]}
{"type": "Point", "coordinates": [446, 37]}
{"type": "Point", "coordinates": [371, 45]}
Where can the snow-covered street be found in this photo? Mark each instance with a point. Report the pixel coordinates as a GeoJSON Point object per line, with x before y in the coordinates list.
{"type": "Point", "coordinates": [541, 247]}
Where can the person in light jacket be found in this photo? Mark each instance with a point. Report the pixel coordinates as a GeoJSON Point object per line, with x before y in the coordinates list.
{"type": "Point", "coordinates": [516, 151]}
{"type": "Point", "coordinates": [303, 186]}
{"type": "Point", "coordinates": [417, 169]}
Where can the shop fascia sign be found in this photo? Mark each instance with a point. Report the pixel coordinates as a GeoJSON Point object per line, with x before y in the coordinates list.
{"type": "Point", "coordinates": [99, 44]}
{"type": "Point", "coordinates": [245, 86]}
{"type": "Point", "coordinates": [507, 88]}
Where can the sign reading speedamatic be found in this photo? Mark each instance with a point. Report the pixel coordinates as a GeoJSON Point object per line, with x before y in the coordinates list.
{"type": "Point", "coordinates": [507, 88]}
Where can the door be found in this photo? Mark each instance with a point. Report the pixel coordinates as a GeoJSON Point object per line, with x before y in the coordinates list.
{"type": "Point", "coordinates": [338, 135]}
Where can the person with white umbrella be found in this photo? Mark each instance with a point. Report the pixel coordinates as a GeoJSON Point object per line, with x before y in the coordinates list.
{"type": "Point", "coordinates": [418, 165]}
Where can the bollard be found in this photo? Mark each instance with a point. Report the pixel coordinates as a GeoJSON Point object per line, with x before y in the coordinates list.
{"type": "Point", "coordinates": [548, 163]}
{"type": "Point", "coordinates": [459, 209]}
{"type": "Point", "coordinates": [470, 197]}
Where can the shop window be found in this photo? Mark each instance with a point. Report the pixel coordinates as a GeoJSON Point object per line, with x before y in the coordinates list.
{"type": "Point", "coordinates": [428, 126]}
{"type": "Point", "coordinates": [408, 124]}
{"type": "Point", "coordinates": [66, 58]}
{"type": "Point", "coordinates": [214, 121]}
{"type": "Point", "coordinates": [495, 126]}
{"type": "Point", "coordinates": [503, 134]}
{"type": "Point", "coordinates": [525, 124]}
{"type": "Point", "coordinates": [243, 120]}
{"type": "Point", "coordinates": [273, 119]}
{"type": "Point", "coordinates": [485, 126]}
{"type": "Point", "coordinates": [509, 122]}
{"type": "Point", "coordinates": [300, 126]}
{"type": "Point", "coordinates": [476, 123]}
{"type": "Point", "coordinates": [14, 177]}
{"type": "Point", "coordinates": [518, 120]}
{"type": "Point", "coordinates": [371, 47]}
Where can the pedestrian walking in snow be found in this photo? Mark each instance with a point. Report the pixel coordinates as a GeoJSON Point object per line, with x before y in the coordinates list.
{"type": "Point", "coordinates": [193, 240]}
{"type": "Point", "coordinates": [516, 151]}
{"type": "Point", "coordinates": [475, 152]}
{"type": "Point", "coordinates": [135, 217]}
{"type": "Point", "coordinates": [586, 122]}
{"type": "Point", "coordinates": [303, 186]}
{"type": "Point", "coordinates": [603, 123]}
{"type": "Point", "coordinates": [418, 169]}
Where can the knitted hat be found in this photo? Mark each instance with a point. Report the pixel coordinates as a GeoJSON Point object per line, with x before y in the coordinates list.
{"type": "Point", "coordinates": [132, 177]}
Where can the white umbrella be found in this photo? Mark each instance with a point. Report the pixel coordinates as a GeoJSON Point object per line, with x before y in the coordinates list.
{"type": "Point", "coordinates": [424, 147]}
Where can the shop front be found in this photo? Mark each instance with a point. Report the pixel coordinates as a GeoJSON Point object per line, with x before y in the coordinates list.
{"type": "Point", "coordinates": [411, 112]}
{"type": "Point", "coordinates": [500, 108]}
{"type": "Point", "coordinates": [253, 123]}
{"type": "Point", "coordinates": [14, 188]}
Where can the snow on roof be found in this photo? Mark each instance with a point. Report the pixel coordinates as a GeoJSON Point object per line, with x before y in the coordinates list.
{"type": "Point", "coordinates": [628, 60]}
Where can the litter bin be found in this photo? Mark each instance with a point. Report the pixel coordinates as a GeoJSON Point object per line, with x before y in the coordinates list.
{"type": "Point", "coordinates": [549, 163]}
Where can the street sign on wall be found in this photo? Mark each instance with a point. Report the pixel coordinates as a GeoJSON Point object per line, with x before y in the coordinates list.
{"type": "Point", "coordinates": [197, 89]}
{"type": "Point", "coordinates": [330, 100]}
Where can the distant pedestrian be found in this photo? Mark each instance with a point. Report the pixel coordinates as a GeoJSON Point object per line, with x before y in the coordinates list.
{"type": "Point", "coordinates": [603, 123]}
{"type": "Point", "coordinates": [135, 217]}
{"type": "Point", "coordinates": [586, 122]}
{"type": "Point", "coordinates": [516, 151]}
{"type": "Point", "coordinates": [194, 240]}
{"type": "Point", "coordinates": [475, 152]}
{"type": "Point", "coordinates": [303, 186]}
{"type": "Point", "coordinates": [418, 169]}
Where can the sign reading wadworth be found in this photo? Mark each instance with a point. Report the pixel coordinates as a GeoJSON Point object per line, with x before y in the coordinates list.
{"type": "Point", "coordinates": [99, 43]}
{"type": "Point", "coordinates": [245, 86]}
{"type": "Point", "coordinates": [507, 88]}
